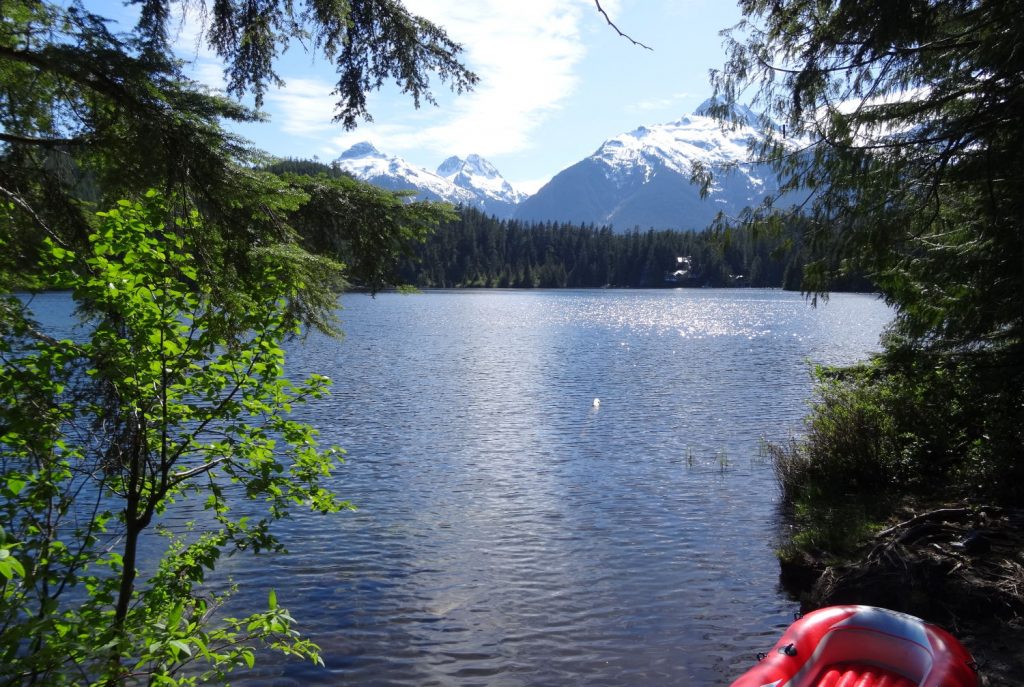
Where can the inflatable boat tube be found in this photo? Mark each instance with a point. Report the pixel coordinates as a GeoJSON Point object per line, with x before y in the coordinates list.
{"type": "Point", "coordinates": [863, 646]}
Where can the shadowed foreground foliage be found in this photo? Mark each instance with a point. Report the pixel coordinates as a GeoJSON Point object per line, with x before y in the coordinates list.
{"type": "Point", "coordinates": [911, 116]}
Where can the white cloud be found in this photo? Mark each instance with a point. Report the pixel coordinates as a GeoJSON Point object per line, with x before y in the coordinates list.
{"type": "Point", "coordinates": [210, 73]}
{"type": "Point", "coordinates": [304, 107]}
{"type": "Point", "coordinates": [187, 32]}
{"type": "Point", "coordinates": [525, 53]}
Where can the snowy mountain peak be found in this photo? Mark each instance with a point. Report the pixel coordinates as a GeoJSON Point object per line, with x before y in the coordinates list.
{"type": "Point", "coordinates": [704, 109]}
{"type": "Point", "coordinates": [363, 149]}
{"type": "Point", "coordinates": [674, 146]}
{"type": "Point", "coordinates": [472, 165]}
{"type": "Point", "coordinates": [740, 113]}
{"type": "Point", "coordinates": [479, 176]}
{"type": "Point", "coordinates": [643, 177]}
{"type": "Point", "coordinates": [473, 181]}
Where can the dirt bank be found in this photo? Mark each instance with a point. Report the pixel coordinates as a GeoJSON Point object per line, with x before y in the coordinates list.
{"type": "Point", "coordinates": [960, 567]}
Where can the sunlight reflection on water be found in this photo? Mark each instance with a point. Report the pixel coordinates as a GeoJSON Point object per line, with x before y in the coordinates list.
{"type": "Point", "coordinates": [509, 532]}
{"type": "Point", "coordinates": [512, 533]}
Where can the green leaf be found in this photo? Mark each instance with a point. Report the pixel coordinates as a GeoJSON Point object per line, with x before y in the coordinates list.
{"type": "Point", "coordinates": [180, 646]}
{"type": "Point", "coordinates": [174, 617]}
{"type": "Point", "coordinates": [15, 485]}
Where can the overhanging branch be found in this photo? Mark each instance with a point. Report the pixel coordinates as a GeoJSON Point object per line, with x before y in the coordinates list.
{"type": "Point", "coordinates": [36, 219]}
{"type": "Point", "coordinates": [617, 29]}
{"type": "Point", "coordinates": [42, 142]}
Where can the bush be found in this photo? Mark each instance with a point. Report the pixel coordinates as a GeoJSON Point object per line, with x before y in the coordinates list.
{"type": "Point", "coordinates": [849, 446]}
{"type": "Point", "coordinates": [888, 431]}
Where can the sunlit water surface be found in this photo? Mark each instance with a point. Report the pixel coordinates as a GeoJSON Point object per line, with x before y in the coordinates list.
{"type": "Point", "coordinates": [509, 532]}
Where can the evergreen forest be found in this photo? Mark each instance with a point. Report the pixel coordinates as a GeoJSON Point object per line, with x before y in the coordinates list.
{"type": "Point", "coordinates": [475, 250]}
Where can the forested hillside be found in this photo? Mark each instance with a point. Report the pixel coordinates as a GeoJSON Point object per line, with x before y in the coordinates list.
{"type": "Point", "coordinates": [480, 251]}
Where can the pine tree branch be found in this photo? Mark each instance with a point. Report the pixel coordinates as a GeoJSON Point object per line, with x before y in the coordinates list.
{"type": "Point", "coordinates": [43, 142]}
{"type": "Point", "coordinates": [27, 208]}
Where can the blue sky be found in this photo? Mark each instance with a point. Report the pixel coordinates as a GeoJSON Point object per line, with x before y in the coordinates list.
{"type": "Point", "coordinates": [555, 82]}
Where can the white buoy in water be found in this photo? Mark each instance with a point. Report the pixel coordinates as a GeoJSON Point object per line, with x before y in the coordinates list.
{"type": "Point", "coordinates": [597, 403]}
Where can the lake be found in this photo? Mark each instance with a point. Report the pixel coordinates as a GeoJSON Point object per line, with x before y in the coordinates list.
{"type": "Point", "coordinates": [511, 531]}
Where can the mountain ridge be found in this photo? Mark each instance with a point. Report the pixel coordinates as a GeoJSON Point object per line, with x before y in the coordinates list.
{"type": "Point", "coordinates": [641, 178]}
{"type": "Point", "coordinates": [472, 181]}
{"type": "Point", "coordinates": [477, 175]}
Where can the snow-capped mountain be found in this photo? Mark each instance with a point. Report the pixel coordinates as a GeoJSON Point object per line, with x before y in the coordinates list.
{"type": "Point", "coordinates": [365, 162]}
{"type": "Point", "coordinates": [475, 174]}
{"type": "Point", "coordinates": [642, 178]}
{"type": "Point", "coordinates": [473, 181]}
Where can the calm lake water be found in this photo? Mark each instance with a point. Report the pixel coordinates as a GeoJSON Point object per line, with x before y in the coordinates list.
{"type": "Point", "coordinates": [509, 532]}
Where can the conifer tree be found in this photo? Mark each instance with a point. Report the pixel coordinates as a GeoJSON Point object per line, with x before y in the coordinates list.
{"type": "Point", "coordinates": [910, 119]}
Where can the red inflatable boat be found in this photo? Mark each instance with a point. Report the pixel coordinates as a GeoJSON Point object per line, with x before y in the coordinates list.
{"type": "Point", "coordinates": [863, 646]}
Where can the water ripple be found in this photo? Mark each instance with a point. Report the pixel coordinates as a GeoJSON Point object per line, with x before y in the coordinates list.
{"type": "Point", "coordinates": [512, 533]}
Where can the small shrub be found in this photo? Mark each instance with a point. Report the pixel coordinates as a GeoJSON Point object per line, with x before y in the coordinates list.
{"type": "Point", "coordinates": [932, 428]}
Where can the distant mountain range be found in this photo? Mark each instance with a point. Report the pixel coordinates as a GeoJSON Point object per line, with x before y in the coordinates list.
{"type": "Point", "coordinates": [640, 178]}
{"type": "Point", "coordinates": [472, 181]}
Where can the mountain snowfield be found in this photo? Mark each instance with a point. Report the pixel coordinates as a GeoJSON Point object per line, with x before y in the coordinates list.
{"type": "Point", "coordinates": [636, 179]}
{"type": "Point", "coordinates": [477, 175]}
{"type": "Point", "coordinates": [676, 146]}
{"type": "Point", "coordinates": [642, 178]}
{"type": "Point", "coordinates": [473, 181]}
